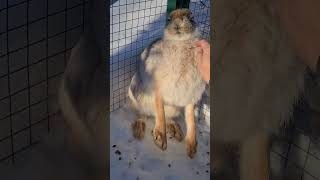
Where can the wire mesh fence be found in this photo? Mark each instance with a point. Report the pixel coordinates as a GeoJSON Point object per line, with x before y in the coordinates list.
{"type": "Point", "coordinates": [133, 26]}
{"type": "Point", "coordinates": [295, 155]}
{"type": "Point", "coordinates": [201, 12]}
{"type": "Point", "coordinates": [36, 37]}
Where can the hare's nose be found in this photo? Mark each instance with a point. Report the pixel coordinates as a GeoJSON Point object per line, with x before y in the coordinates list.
{"type": "Point", "coordinates": [176, 27]}
{"type": "Point", "coordinates": [185, 19]}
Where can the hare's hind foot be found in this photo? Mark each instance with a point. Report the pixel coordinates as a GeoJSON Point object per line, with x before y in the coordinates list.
{"type": "Point", "coordinates": [174, 130]}
{"type": "Point", "coordinates": [191, 148]}
{"type": "Point", "coordinates": [138, 128]}
{"type": "Point", "coordinates": [191, 139]}
{"type": "Point", "coordinates": [160, 138]}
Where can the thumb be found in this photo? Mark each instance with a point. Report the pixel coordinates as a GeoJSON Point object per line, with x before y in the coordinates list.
{"type": "Point", "coordinates": [199, 54]}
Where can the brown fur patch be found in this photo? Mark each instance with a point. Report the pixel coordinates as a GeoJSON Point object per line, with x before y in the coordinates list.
{"type": "Point", "coordinates": [175, 131]}
{"type": "Point", "coordinates": [179, 13]}
{"type": "Point", "coordinates": [138, 129]}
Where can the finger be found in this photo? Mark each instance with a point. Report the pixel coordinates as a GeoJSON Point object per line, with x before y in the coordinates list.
{"type": "Point", "coordinates": [199, 50]}
{"type": "Point", "coordinates": [199, 54]}
{"type": "Point", "coordinates": [202, 43]}
{"type": "Point", "coordinates": [199, 43]}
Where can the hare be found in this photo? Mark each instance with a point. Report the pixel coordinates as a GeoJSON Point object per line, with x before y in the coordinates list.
{"type": "Point", "coordinates": [257, 78]}
{"type": "Point", "coordinates": [83, 96]}
{"type": "Point", "coordinates": [168, 80]}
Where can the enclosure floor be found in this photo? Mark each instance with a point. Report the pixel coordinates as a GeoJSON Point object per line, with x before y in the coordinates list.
{"type": "Point", "coordinates": [143, 160]}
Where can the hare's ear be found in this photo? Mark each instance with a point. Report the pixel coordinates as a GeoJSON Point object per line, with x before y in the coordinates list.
{"type": "Point", "coordinates": [172, 15]}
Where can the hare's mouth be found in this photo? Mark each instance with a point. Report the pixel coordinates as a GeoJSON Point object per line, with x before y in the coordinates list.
{"type": "Point", "coordinates": [181, 30]}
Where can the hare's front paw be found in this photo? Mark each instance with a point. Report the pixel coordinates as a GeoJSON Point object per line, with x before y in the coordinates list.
{"type": "Point", "coordinates": [160, 138]}
{"type": "Point", "coordinates": [138, 129]}
{"type": "Point", "coordinates": [175, 131]}
{"type": "Point", "coordinates": [191, 147]}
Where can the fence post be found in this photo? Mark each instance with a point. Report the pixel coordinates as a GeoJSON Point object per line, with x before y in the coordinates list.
{"type": "Point", "coordinates": [172, 5]}
{"type": "Point", "coordinates": [183, 3]}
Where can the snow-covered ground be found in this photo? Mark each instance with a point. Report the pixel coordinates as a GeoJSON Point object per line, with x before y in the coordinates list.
{"type": "Point", "coordinates": [143, 160]}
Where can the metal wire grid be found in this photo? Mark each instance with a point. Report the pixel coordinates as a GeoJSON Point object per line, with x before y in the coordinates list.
{"type": "Point", "coordinates": [134, 25]}
{"type": "Point", "coordinates": [36, 37]}
{"type": "Point", "coordinates": [201, 13]}
{"type": "Point", "coordinates": [296, 154]}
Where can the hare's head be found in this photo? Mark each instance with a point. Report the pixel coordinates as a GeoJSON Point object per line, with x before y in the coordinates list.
{"type": "Point", "coordinates": [181, 25]}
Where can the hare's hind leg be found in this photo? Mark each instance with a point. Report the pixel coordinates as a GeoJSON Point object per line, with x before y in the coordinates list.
{"type": "Point", "coordinates": [254, 158]}
{"type": "Point", "coordinates": [191, 131]}
{"type": "Point", "coordinates": [159, 131]}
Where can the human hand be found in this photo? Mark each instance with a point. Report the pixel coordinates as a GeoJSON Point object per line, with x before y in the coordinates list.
{"type": "Point", "coordinates": [203, 58]}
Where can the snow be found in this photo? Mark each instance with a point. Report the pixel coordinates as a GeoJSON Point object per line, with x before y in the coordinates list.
{"type": "Point", "coordinates": [144, 160]}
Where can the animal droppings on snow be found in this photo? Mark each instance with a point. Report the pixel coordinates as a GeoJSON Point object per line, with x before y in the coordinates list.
{"type": "Point", "coordinates": [146, 161]}
{"type": "Point", "coordinates": [118, 152]}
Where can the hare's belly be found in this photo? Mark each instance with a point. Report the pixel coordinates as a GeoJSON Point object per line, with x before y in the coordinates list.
{"type": "Point", "coordinates": [182, 93]}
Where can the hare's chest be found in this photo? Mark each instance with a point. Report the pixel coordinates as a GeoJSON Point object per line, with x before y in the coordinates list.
{"type": "Point", "coordinates": [177, 77]}
{"type": "Point", "coordinates": [182, 93]}
{"type": "Point", "coordinates": [181, 84]}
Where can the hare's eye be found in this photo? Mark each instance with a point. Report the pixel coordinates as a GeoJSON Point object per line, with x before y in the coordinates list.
{"type": "Point", "coordinates": [169, 19]}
